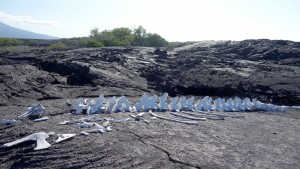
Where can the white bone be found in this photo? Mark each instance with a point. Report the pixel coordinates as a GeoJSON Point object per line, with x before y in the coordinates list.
{"type": "Point", "coordinates": [224, 105]}
{"type": "Point", "coordinates": [110, 104]}
{"type": "Point", "coordinates": [163, 106]}
{"type": "Point", "coordinates": [170, 119]}
{"type": "Point", "coordinates": [40, 139]}
{"type": "Point", "coordinates": [188, 117]}
{"type": "Point", "coordinates": [41, 119]}
{"type": "Point", "coordinates": [182, 104]}
{"type": "Point", "coordinates": [84, 133]}
{"type": "Point", "coordinates": [173, 104]}
{"type": "Point", "coordinates": [217, 105]}
{"type": "Point", "coordinates": [97, 106]}
{"type": "Point", "coordinates": [85, 125]}
{"type": "Point", "coordinates": [79, 104]}
{"type": "Point", "coordinates": [62, 137]}
{"type": "Point", "coordinates": [34, 110]}
{"type": "Point", "coordinates": [7, 122]}
{"type": "Point", "coordinates": [65, 122]}
{"type": "Point", "coordinates": [199, 105]}
{"type": "Point", "coordinates": [189, 103]}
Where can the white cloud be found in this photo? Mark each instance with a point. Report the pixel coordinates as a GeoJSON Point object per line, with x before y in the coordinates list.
{"type": "Point", "coordinates": [25, 19]}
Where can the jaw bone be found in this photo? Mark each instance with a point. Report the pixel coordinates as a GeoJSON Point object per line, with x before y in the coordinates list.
{"type": "Point", "coordinates": [40, 139]}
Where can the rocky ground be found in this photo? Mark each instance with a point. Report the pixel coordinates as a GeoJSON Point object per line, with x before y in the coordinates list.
{"type": "Point", "coordinates": [267, 70]}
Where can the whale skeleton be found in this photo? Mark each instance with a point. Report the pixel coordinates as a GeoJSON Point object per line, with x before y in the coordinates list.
{"type": "Point", "coordinates": [159, 103]}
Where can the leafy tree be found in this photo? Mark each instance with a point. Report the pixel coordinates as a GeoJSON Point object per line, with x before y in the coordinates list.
{"type": "Point", "coordinates": [125, 37]}
{"type": "Point", "coordinates": [139, 36]}
{"type": "Point", "coordinates": [91, 43]}
{"type": "Point", "coordinates": [94, 32]}
{"type": "Point", "coordinates": [155, 40]}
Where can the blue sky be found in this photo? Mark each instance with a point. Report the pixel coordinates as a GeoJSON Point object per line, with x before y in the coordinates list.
{"type": "Point", "coordinates": [176, 20]}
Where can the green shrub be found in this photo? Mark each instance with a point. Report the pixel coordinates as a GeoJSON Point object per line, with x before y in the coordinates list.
{"type": "Point", "coordinates": [91, 43]}
{"type": "Point", "coordinates": [57, 46]}
{"type": "Point", "coordinates": [9, 42]}
{"type": "Point", "coordinates": [15, 49]}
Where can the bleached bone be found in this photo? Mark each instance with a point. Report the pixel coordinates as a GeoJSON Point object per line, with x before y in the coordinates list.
{"type": "Point", "coordinates": [139, 117]}
{"type": "Point", "coordinates": [248, 104]}
{"type": "Point", "coordinates": [217, 105]}
{"type": "Point", "coordinates": [230, 104]}
{"type": "Point", "coordinates": [84, 133]}
{"type": "Point", "coordinates": [150, 103]}
{"type": "Point", "coordinates": [224, 105]}
{"type": "Point", "coordinates": [41, 119]}
{"type": "Point", "coordinates": [35, 110]}
{"type": "Point", "coordinates": [139, 105]}
{"type": "Point", "coordinates": [189, 103]}
{"type": "Point", "coordinates": [188, 117]}
{"type": "Point", "coordinates": [205, 106]}
{"type": "Point", "coordinates": [163, 106]}
{"type": "Point", "coordinates": [97, 130]}
{"type": "Point", "coordinates": [85, 125]}
{"type": "Point", "coordinates": [121, 120]}
{"type": "Point", "coordinates": [241, 105]}
{"type": "Point", "coordinates": [118, 107]}
{"type": "Point", "coordinates": [110, 104]}
{"type": "Point", "coordinates": [68, 103]}
{"type": "Point", "coordinates": [182, 104]}
{"type": "Point", "coordinates": [98, 126]}
{"type": "Point", "coordinates": [170, 119]}
{"type": "Point", "coordinates": [281, 109]}
{"type": "Point", "coordinates": [153, 104]}
{"type": "Point", "coordinates": [90, 118]}
{"type": "Point", "coordinates": [40, 139]}
{"type": "Point", "coordinates": [271, 107]}
{"type": "Point", "coordinates": [65, 122]}
{"type": "Point", "coordinates": [235, 104]}
{"type": "Point", "coordinates": [98, 104]}
{"type": "Point", "coordinates": [256, 104]}
{"type": "Point", "coordinates": [89, 106]}
{"type": "Point", "coordinates": [108, 128]}
{"type": "Point", "coordinates": [62, 137]}
{"type": "Point", "coordinates": [205, 115]}
{"type": "Point", "coordinates": [173, 104]}
{"type": "Point", "coordinates": [264, 107]}
{"type": "Point", "coordinates": [209, 104]}
{"type": "Point", "coordinates": [199, 105]}
{"type": "Point", "coordinates": [126, 105]}
{"type": "Point", "coordinates": [7, 122]}
{"type": "Point", "coordinates": [79, 108]}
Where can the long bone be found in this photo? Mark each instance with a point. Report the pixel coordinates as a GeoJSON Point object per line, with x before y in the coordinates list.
{"type": "Point", "coordinates": [176, 120]}
{"type": "Point", "coordinates": [188, 117]}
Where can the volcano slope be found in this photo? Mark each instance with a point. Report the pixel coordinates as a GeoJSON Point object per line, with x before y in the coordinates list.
{"type": "Point", "coordinates": [267, 70]}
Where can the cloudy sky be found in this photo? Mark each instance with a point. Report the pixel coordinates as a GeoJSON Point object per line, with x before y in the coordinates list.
{"type": "Point", "coordinates": [176, 20]}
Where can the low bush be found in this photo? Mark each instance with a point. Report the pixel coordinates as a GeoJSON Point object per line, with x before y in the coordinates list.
{"type": "Point", "coordinates": [57, 46]}
{"type": "Point", "coordinates": [9, 42]}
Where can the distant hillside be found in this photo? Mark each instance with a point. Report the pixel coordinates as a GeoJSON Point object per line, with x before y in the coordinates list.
{"type": "Point", "coordinates": [12, 32]}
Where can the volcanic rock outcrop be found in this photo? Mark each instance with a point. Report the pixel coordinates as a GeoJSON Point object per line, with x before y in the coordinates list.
{"type": "Point", "coordinates": [265, 69]}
